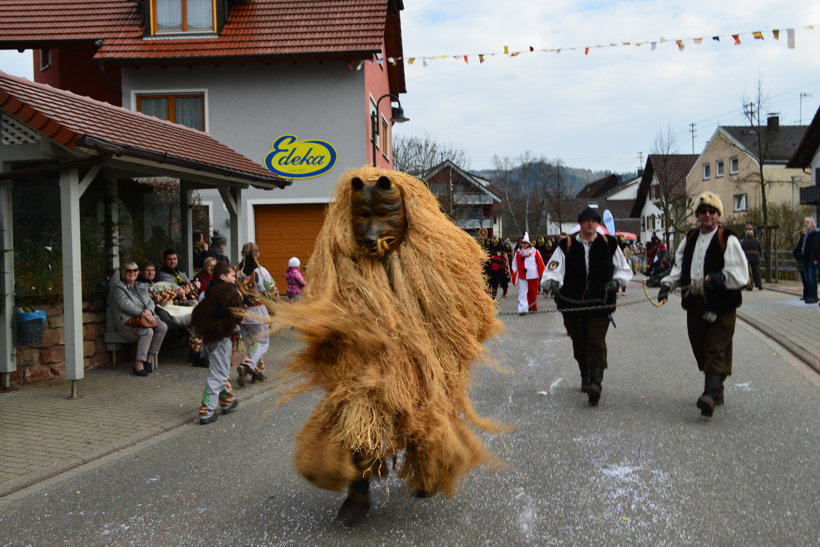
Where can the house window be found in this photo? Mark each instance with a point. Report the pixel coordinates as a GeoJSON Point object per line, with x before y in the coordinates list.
{"type": "Point", "coordinates": [707, 171]}
{"type": "Point", "coordinates": [384, 137]}
{"type": "Point", "coordinates": [45, 59]}
{"type": "Point", "coordinates": [733, 166]}
{"type": "Point", "coordinates": [740, 202]}
{"type": "Point", "coordinates": [718, 168]}
{"type": "Point", "coordinates": [172, 16]}
{"type": "Point", "coordinates": [373, 127]}
{"type": "Point", "coordinates": [186, 109]}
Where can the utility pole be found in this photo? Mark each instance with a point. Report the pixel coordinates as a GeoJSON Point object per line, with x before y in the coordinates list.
{"type": "Point", "coordinates": [693, 131]}
{"type": "Point", "coordinates": [640, 160]}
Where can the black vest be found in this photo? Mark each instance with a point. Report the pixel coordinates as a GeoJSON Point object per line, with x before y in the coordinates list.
{"type": "Point", "coordinates": [580, 285]}
{"type": "Point", "coordinates": [720, 300]}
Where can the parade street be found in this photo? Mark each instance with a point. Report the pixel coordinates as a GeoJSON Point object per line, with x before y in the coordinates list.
{"type": "Point", "coordinates": [641, 468]}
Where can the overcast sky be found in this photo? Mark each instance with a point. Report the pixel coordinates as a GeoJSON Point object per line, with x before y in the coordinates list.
{"type": "Point", "coordinates": [602, 109]}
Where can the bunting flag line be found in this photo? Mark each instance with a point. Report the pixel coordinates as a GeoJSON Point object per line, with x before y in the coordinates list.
{"type": "Point", "coordinates": [680, 43]}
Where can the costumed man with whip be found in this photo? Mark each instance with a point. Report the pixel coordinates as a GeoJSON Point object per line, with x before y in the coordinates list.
{"type": "Point", "coordinates": [711, 268]}
{"type": "Point", "coordinates": [586, 270]}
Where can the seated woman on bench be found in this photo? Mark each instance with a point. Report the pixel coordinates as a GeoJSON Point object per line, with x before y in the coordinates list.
{"type": "Point", "coordinates": [131, 300]}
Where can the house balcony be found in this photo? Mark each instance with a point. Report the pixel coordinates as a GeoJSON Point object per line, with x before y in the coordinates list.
{"type": "Point", "coordinates": [472, 199]}
{"type": "Point", "coordinates": [810, 195]}
{"type": "Point", "coordinates": [474, 223]}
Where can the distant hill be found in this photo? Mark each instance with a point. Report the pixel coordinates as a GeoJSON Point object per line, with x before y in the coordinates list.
{"type": "Point", "coordinates": [574, 178]}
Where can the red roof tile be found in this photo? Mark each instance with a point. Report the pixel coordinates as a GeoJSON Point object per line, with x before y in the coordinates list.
{"type": "Point", "coordinates": [254, 28]}
{"type": "Point", "coordinates": [68, 118]}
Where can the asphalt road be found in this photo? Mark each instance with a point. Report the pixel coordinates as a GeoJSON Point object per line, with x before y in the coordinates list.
{"type": "Point", "coordinates": [642, 468]}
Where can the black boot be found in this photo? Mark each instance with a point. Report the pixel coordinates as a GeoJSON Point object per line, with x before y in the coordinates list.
{"type": "Point", "coordinates": [584, 378]}
{"type": "Point", "coordinates": [357, 504]}
{"type": "Point", "coordinates": [712, 393]}
{"type": "Point", "coordinates": [596, 376]}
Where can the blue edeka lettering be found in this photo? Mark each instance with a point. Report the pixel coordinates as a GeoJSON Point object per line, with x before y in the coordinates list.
{"type": "Point", "coordinates": [307, 159]}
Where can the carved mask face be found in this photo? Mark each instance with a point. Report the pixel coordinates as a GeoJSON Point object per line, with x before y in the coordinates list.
{"type": "Point", "coordinates": [379, 221]}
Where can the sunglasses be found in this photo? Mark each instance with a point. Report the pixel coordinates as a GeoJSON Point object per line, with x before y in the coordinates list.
{"type": "Point", "coordinates": [710, 210]}
{"type": "Point", "coordinates": [130, 271]}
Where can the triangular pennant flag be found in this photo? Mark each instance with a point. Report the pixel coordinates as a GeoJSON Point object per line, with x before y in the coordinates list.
{"type": "Point", "coordinates": [350, 65]}
{"type": "Point", "coordinates": [392, 61]}
{"type": "Point", "coordinates": [663, 39]}
{"type": "Point", "coordinates": [424, 61]}
{"type": "Point", "coordinates": [790, 37]}
{"type": "Point", "coordinates": [506, 50]}
{"type": "Point", "coordinates": [411, 60]}
{"type": "Point", "coordinates": [586, 51]}
{"type": "Point", "coordinates": [698, 41]}
{"type": "Point", "coordinates": [776, 34]}
{"type": "Point", "coordinates": [758, 35]}
{"type": "Point", "coordinates": [465, 60]}
{"type": "Point", "coordinates": [680, 44]}
{"type": "Point", "coordinates": [716, 38]}
{"type": "Point", "coordinates": [514, 54]}
{"type": "Point", "coordinates": [654, 45]}
{"type": "Point", "coordinates": [737, 39]}
{"type": "Point", "coordinates": [810, 27]}
{"type": "Point", "coordinates": [532, 48]}
{"type": "Point", "coordinates": [480, 58]}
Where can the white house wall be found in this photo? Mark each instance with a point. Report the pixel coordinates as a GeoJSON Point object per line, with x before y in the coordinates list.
{"type": "Point", "coordinates": [248, 107]}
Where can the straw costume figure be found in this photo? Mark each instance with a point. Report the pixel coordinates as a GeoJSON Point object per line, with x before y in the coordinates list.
{"type": "Point", "coordinates": [393, 316]}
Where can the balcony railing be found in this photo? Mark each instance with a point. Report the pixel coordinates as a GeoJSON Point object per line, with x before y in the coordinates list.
{"type": "Point", "coordinates": [810, 195]}
{"type": "Point", "coordinates": [473, 223]}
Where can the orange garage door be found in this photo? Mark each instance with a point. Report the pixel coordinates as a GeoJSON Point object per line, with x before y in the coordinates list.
{"type": "Point", "coordinates": [283, 231]}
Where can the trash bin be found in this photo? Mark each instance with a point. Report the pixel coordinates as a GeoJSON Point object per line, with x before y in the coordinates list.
{"type": "Point", "coordinates": [30, 327]}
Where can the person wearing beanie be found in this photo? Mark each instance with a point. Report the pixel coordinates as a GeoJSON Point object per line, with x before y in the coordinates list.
{"type": "Point", "coordinates": [294, 279]}
{"type": "Point", "coordinates": [527, 269]}
{"type": "Point", "coordinates": [586, 270]}
{"type": "Point", "coordinates": [255, 283]}
{"type": "Point", "coordinates": [712, 269]}
{"type": "Point", "coordinates": [200, 250]}
{"type": "Point", "coordinates": [218, 244]}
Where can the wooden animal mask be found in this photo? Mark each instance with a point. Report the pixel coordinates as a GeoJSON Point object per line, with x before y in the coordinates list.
{"type": "Point", "coordinates": [379, 219]}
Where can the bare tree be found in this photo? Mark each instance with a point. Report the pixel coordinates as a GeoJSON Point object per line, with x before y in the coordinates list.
{"type": "Point", "coordinates": [764, 139]}
{"type": "Point", "coordinates": [416, 155]}
{"type": "Point", "coordinates": [507, 179]}
{"type": "Point", "coordinates": [557, 195]}
{"type": "Point", "coordinates": [671, 194]}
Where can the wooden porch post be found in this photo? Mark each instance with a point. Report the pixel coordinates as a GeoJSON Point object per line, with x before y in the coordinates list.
{"type": "Point", "coordinates": [7, 349]}
{"type": "Point", "coordinates": [71, 189]}
{"type": "Point", "coordinates": [232, 197]}
{"type": "Point", "coordinates": [186, 228]}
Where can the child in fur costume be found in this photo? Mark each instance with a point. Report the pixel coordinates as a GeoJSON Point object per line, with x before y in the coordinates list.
{"type": "Point", "coordinates": [214, 321]}
{"type": "Point", "coordinates": [393, 316]}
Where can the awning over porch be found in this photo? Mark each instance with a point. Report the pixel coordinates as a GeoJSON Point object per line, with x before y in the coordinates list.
{"type": "Point", "coordinates": [44, 130]}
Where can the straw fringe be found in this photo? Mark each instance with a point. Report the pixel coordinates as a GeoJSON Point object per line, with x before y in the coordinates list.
{"type": "Point", "coordinates": [392, 343]}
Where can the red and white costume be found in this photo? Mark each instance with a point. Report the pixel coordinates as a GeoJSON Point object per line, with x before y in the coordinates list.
{"type": "Point", "coordinates": [530, 265]}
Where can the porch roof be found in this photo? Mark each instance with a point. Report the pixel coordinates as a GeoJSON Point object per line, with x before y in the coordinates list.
{"type": "Point", "coordinates": [82, 124]}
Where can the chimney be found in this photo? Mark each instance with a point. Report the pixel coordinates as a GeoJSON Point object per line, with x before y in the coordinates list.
{"type": "Point", "coordinates": [773, 122]}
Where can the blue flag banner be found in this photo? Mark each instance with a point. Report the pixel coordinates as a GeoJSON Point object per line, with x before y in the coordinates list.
{"type": "Point", "coordinates": [609, 222]}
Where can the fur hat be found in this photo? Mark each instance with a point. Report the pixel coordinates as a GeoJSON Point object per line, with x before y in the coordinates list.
{"type": "Point", "coordinates": [218, 239]}
{"type": "Point", "coordinates": [294, 263]}
{"type": "Point", "coordinates": [708, 198]}
{"type": "Point", "coordinates": [526, 238]}
{"type": "Point", "coordinates": [589, 212]}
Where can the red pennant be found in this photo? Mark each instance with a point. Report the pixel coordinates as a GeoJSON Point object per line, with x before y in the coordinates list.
{"type": "Point", "coordinates": [586, 51]}
{"type": "Point", "coordinates": [737, 39]}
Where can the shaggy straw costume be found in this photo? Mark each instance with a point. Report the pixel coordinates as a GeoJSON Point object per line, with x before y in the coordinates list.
{"type": "Point", "coordinates": [391, 341]}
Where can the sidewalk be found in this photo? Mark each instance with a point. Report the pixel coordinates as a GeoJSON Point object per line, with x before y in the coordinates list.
{"type": "Point", "coordinates": [44, 433]}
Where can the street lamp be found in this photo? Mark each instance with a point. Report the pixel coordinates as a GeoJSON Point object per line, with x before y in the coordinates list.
{"type": "Point", "coordinates": [396, 116]}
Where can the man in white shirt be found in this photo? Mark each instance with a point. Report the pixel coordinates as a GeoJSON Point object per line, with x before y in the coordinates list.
{"type": "Point", "coordinates": [711, 268]}
{"type": "Point", "coordinates": [585, 270]}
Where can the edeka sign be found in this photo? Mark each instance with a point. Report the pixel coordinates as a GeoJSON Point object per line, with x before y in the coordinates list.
{"type": "Point", "coordinates": [291, 158]}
